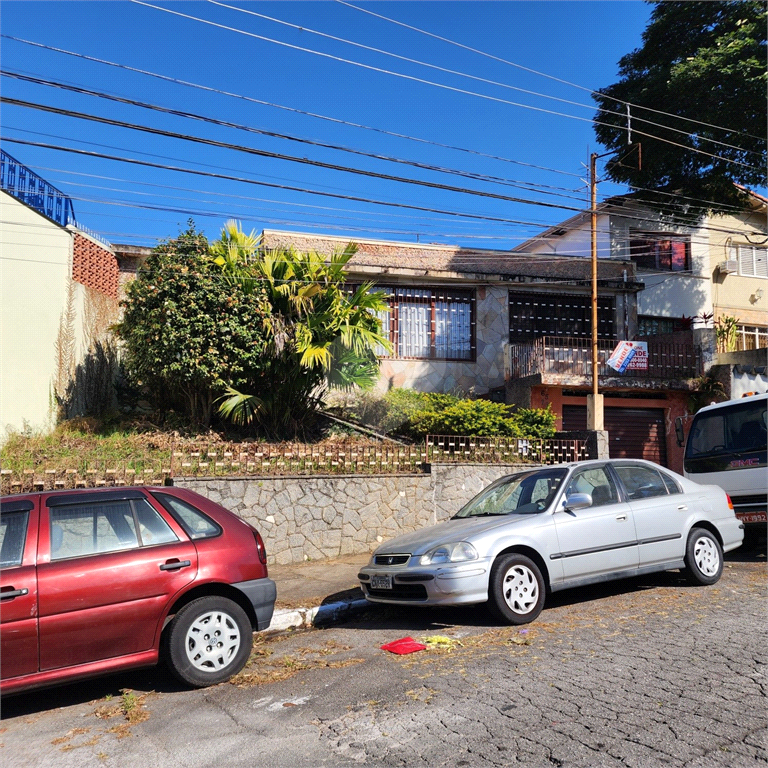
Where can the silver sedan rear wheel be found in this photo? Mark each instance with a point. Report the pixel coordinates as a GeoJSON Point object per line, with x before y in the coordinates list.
{"type": "Point", "coordinates": [703, 557]}
{"type": "Point", "coordinates": [516, 590]}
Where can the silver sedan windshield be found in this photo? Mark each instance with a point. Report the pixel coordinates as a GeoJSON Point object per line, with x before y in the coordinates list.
{"type": "Point", "coordinates": [519, 494]}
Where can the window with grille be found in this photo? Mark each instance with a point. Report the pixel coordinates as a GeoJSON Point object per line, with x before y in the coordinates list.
{"type": "Point", "coordinates": [428, 323]}
{"type": "Point", "coordinates": [662, 251]}
{"type": "Point", "coordinates": [751, 337]}
{"type": "Point", "coordinates": [532, 315]}
{"type": "Point", "coordinates": [753, 260]}
{"type": "Point", "coordinates": [648, 325]}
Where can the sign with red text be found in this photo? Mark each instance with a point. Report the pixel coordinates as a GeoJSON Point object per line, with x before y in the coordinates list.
{"type": "Point", "coordinates": [629, 355]}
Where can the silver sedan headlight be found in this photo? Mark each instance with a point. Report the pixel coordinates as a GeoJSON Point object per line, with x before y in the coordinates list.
{"type": "Point", "coordinates": [459, 552]}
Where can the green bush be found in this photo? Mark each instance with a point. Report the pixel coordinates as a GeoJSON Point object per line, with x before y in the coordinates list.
{"type": "Point", "coordinates": [402, 406]}
{"type": "Point", "coordinates": [465, 417]}
{"type": "Point", "coordinates": [536, 423]}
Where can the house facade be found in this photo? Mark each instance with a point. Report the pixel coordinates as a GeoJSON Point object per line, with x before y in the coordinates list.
{"type": "Point", "coordinates": [517, 327]}
{"type": "Point", "coordinates": [693, 277]}
{"type": "Point", "coordinates": [58, 297]}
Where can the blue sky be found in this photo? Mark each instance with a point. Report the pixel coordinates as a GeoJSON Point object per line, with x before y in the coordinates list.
{"type": "Point", "coordinates": [532, 155]}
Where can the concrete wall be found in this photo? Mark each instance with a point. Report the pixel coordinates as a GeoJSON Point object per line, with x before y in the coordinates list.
{"type": "Point", "coordinates": [35, 290]}
{"type": "Point", "coordinates": [303, 518]}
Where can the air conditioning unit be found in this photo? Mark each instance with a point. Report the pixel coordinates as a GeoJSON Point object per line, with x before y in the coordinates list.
{"type": "Point", "coordinates": [728, 267]}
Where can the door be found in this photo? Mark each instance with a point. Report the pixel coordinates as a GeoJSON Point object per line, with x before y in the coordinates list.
{"type": "Point", "coordinates": [112, 564]}
{"type": "Point", "coordinates": [598, 539]}
{"type": "Point", "coordinates": [18, 588]}
{"type": "Point", "coordinates": [633, 433]}
{"type": "Point", "coordinates": [659, 510]}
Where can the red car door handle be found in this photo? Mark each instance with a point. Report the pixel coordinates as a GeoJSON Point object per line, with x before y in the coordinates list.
{"type": "Point", "coordinates": [174, 565]}
{"type": "Point", "coordinates": [11, 593]}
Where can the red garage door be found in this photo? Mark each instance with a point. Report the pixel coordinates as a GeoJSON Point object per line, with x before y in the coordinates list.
{"type": "Point", "coordinates": [633, 433]}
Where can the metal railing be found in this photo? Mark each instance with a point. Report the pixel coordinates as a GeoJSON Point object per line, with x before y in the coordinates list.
{"type": "Point", "coordinates": [573, 357]}
{"type": "Point", "coordinates": [222, 460]}
{"type": "Point", "coordinates": [25, 185]}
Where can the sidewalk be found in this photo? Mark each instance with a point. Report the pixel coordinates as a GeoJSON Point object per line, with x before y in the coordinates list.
{"type": "Point", "coordinates": [316, 591]}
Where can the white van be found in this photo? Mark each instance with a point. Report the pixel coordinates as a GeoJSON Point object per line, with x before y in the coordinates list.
{"type": "Point", "coordinates": [726, 446]}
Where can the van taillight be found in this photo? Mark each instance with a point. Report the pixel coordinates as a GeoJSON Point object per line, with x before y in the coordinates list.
{"type": "Point", "coordinates": [730, 503]}
{"type": "Point", "coordinates": [262, 550]}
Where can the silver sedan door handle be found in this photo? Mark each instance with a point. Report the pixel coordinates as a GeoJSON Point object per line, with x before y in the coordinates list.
{"type": "Point", "coordinates": [621, 517]}
{"type": "Point", "coordinates": [682, 507]}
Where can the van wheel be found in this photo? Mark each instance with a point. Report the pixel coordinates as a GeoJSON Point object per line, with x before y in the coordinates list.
{"type": "Point", "coordinates": [703, 557]}
{"type": "Point", "coordinates": [208, 641]}
{"type": "Point", "coordinates": [516, 589]}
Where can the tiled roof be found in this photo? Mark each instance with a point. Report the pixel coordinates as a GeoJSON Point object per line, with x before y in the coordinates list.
{"type": "Point", "coordinates": [428, 259]}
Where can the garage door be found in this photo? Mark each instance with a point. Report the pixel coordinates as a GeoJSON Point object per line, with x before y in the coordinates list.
{"type": "Point", "coordinates": [633, 433]}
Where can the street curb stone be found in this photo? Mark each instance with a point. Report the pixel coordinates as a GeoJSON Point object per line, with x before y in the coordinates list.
{"type": "Point", "coordinates": [295, 618]}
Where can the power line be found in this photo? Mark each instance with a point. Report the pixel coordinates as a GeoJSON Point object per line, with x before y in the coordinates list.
{"type": "Point", "coordinates": [288, 109]}
{"type": "Point", "coordinates": [434, 84]}
{"type": "Point", "coordinates": [470, 77]}
{"type": "Point", "coordinates": [276, 155]}
{"type": "Point", "coordinates": [544, 74]}
{"type": "Point", "coordinates": [274, 134]}
{"type": "Point", "coordinates": [246, 180]}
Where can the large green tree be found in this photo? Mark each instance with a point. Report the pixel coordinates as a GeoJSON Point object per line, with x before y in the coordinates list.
{"type": "Point", "coordinates": [187, 334]}
{"type": "Point", "coordinates": [319, 332]}
{"type": "Point", "coordinates": [700, 60]}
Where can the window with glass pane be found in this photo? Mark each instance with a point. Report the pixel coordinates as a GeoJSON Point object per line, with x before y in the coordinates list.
{"type": "Point", "coordinates": [85, 529]}
{"type": "Point", "coordinates": [660, 250]}
{"type": "Point", "coordinates": [13, 536]}
{"type": "Point", "coordinates": [642, 482]}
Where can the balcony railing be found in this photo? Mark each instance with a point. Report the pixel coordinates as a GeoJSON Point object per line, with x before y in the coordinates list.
{"type": "Point", "coordinates": [25, 185]}
{"type": "Point", "coordinates": [573, 357]}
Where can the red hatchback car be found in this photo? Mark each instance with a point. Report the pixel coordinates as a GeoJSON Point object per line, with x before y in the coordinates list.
{"type": "Point", "coordinates": [101, 580]}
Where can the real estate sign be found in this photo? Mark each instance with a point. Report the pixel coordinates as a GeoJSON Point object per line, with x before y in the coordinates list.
{"type": "Point", "coordinates": [629, 355]}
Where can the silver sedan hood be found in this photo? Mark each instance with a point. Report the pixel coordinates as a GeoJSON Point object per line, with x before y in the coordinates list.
{"type": "Point", "coordinates": [459, 529]}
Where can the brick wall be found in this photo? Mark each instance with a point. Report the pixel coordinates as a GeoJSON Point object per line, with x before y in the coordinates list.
{"type": "Point", "coordinates": [95, 266]}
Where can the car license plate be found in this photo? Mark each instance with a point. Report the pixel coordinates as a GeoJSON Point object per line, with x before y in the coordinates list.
{"type": "Point", "coordinates": [752, 517]}
{"type": "Point", "coordinates": [379, 581]}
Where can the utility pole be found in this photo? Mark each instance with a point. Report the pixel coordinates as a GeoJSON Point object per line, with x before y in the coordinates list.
{"type": "Point", "coordinates": [595, 419]}
{"type": "Point", "coordinates": [595, 414]}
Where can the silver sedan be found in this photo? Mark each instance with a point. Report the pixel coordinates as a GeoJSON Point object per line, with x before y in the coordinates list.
{"type": "Point", "coordinates": [552, 528]}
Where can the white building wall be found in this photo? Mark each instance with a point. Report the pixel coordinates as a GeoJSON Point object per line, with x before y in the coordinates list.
{"type": "Point", "coordinates": [667, 294]}
{"type": "Point", "coordinates": [35, 268]}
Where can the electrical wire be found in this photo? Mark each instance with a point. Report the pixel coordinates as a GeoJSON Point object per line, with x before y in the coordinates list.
{"type": "Point", "coordinates": [434, 84]}
{"type": "Point", "coordinates": [544, 74]}
{"type": "Point", "coordinates": [471, 77]}
{"type": "Point", "coordinates": [274, 134]}
{"type": "Point", "coordinates": [274, 155]}
{"type": "Point", "coordinates": [289, 109]}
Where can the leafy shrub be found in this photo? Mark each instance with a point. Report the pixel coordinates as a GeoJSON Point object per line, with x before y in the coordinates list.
{"type": "Point", "coordinates": [536, 423]}
{"type": "Point", "coordinates": [465, 417]}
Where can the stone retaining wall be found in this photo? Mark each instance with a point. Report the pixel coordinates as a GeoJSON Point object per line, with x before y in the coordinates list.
{"type": "Point", "coordinates": [302, 518]}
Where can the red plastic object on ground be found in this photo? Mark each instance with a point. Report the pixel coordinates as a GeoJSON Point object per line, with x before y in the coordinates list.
{"type": "Point", "coordinates": [404, 645]}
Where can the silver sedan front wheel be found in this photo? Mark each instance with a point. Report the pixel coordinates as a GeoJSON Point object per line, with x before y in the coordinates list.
{"type": "Point", "coordinates": [516, 589]}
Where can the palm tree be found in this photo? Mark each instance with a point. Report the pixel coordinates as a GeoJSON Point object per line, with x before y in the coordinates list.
{"type": "Point", "coordinates": [319, 333]}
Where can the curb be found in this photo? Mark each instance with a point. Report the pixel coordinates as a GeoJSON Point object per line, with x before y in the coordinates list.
{"type": "Point", "coordinates": [294, 618]}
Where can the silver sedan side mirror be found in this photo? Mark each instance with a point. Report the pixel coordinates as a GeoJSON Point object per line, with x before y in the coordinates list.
{"type": "Point", "coordinates": [577, 501]}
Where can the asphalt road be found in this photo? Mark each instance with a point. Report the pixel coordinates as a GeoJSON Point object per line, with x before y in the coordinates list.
{"type": "Point", "coordinates": [647, 672]}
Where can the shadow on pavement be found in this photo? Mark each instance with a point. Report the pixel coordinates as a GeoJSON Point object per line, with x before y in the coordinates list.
{"type": "Point", "coordinates": [154, 679]}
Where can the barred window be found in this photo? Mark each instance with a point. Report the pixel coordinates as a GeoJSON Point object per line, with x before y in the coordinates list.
{"type": "Point", "coordinates": [648, 325]}
{"type": "Point", "coordinates": [429, 323]}
{"type": "Point", "coordinates": [751, 337]}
